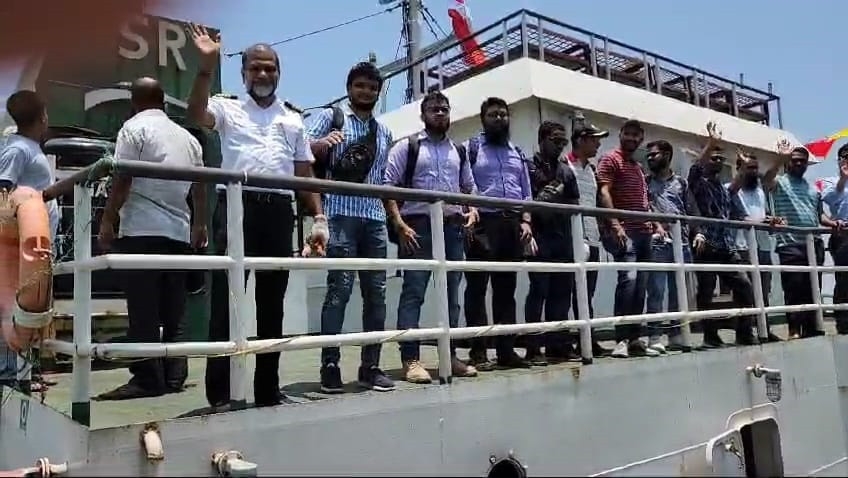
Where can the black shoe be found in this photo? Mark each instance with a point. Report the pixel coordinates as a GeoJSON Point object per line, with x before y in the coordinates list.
{"type": "Point", "coordinates": [513, 360]}
{"type": "Point", "coordinates": [746, 339]}
{"type": "Point", "coordinates": [480, 361]}
{"type": "Point", "coordinates": [712, 342]}
{"type": "Point", "coordinates": [535, 357]}
{"type": "Point", "coordinates": [331, 379]}
{"type": "Point", "coordinates": [128, 391]}
{"type": "Point", "coordinates": [773, 338]}
{"type": "Point", "coordinates": [637, 348]}
{"type": "Point", "coordinates": [374, 379]}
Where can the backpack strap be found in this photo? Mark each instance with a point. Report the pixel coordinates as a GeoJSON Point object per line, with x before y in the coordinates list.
{"type": "Point", "coordinates": [338, 119]}
{"type": "Point", "coordinates": [463, 156]}
{"type": "Point", "coordinates": [411, 159]}
{"type": "Point", "coordinates": [473, 148]}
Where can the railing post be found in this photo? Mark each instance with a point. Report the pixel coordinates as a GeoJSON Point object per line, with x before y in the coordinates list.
{"type": "Point", "coordinates": [680, 282]}
{"type": "Point", "coordinates": [581, 287]}
{"type": "Point", "coordinates": [440, 282]}
{"type": "Point", "coordinates": [757, 282]}
{"type": "Point", "coordinates": [441, 65]}
{"type": "Point", "coordinates": [593, 55]}
{"type": "Point", "coordinates": [525, 40]}
{"type": "Point", "coordinates": [540, 30]}
{"type": "Point", "coordinates": [607, 59]}
{"type": "Point", "coordinates": [505, 41]}
{"type": "Point", "coordinates": [239, 309]}
{"type": "Point", "coordinates": [81, 379]}
{"type": "Point", "coordinates": [814, 280]}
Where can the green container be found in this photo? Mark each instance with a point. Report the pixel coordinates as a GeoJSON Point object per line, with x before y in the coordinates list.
{"type": "Point", "coordinates": [198, 306]}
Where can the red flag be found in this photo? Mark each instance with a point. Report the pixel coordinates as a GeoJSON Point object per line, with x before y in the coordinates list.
{"type": "Point", "coordinates": [461, 23]}
{"type": "Point", "coordinates": [821, 147]}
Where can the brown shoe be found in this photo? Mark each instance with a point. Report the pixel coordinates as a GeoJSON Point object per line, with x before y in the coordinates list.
{"type": "Point", "coordinates": [414, 372]}
{"type": "Point", "coordinates": [462, 369]}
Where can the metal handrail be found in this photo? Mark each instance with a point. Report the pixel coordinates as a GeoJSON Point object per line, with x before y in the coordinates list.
{"type": "Point", "coordinates": [274, 181]}
{"type": "Point", "coordinates": [241, 292]}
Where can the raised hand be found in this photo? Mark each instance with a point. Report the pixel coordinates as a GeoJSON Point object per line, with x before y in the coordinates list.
{"type": "Point", "coordinates": [208, 45]}
{"type": "Point", "coordinates": [784, 147]}
{"type": "Point", "coordinates": [713, 132]}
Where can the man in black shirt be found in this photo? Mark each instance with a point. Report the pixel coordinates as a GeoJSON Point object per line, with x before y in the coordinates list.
{"type": "Point", "coordinates": [716, 244]}
{"type": "Point", "coordinates": [551, 181]}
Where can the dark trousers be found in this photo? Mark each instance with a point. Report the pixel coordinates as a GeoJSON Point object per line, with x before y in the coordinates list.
{"type": "Point", "coordinates": [155, 298]}
{"type": "Point", "coordinates": [496, 238]}
{"type": "Point", "coordinates": [268, 229]}
{"type": "Point", "coordinates": [738, 282]}
{"type": "Point", "coordinates": [797, 287]}
{"type": "Point", "coordinates": [839, 253]}
{"type": "Point", "coordinates": [550, 291]}
{"type": "Point", "coordinates": [632, 285]}
{"type": "Point", "coordinates": [591, 283]}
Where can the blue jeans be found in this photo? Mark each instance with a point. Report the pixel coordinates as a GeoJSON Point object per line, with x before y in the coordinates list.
{"type": "Point", "coordinates": [659, 281]}
{"type": "Point", "coordinates": [355, 237]}
{"type": "Point", "coordinates": [631, 286]}
{"type": "Point", "coordinates": [415, 281]}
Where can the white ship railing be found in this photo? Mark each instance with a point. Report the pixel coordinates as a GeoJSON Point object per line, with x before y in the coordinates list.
{"type": "Point", "coordinates": [242, 304]}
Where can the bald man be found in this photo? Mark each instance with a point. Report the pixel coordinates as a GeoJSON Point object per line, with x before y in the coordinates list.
{"type": "Point", "coordinates": [259, 134]}
{"type": "Point", "coordinates": [155, 218]}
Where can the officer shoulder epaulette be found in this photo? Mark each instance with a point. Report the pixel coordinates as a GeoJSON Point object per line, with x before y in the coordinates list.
{"type": "Point", "coordinates": [292, 107]}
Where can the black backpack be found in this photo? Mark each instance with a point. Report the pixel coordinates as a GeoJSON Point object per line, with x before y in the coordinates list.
{"type": "Point", "coordinates": [412, 160]}
{"type": "Point", "coordinates": [320, 169]}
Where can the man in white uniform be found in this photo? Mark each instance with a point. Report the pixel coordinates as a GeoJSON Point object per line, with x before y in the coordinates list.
{"type": "Point", "coordinates": [155, 218]}
{"type": "Point", "coordinates": [22, 163]}
{"type": "Point", "coordinates": [259, 134]}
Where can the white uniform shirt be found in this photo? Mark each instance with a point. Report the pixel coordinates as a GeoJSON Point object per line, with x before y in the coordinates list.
{"type": "Point", "coordinates": [259, 140]}
{"type": "Point", "coordinates": [157, 207]}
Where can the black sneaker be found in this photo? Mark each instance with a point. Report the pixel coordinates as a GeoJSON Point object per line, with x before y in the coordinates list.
{"type": "Point", "coordinates": [374, 379]}
{"type": "Point", "coordinates": [331, 379]}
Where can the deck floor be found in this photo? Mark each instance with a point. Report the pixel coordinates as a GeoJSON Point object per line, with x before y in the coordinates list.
{"type": "Point", "coordinates": [299, 378]}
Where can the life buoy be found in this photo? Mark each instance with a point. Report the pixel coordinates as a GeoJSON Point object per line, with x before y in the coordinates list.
{"type": "Point", "coordinates": [26, 266]}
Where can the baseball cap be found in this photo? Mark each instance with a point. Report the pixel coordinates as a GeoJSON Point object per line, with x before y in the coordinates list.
{"type": "Point", "coordinates": [587, 130]}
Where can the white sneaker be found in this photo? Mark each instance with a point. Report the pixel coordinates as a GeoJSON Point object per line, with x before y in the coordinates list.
{"type": "Point", "coordinates": [620, 350]}
{"type": "Point", "coordinates": [655, 343]}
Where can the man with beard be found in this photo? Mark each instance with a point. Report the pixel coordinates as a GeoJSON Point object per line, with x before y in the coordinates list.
{"type": "Point", "coordinates": [837, 202]}
{"type": "Point", "coordinates": [357, 153]}
{"type": "Point", "coordinates": [668, 193]}
{"type": "Point", "coordinates": [501, 171]}
{"type": "Point", "coordinates": [751, 204]}
{"type": "Point", "coordinates": [259, 134]}
{"type": "Point", "coordinates": [585, 142]}
{"type": "Point", "coordinates": [798, 202]}
{"type": "Point", "coordinates": [716, 244]}
{"type": "Point", "coordinates": [551, 290]}
{"type": "Point", "coordinates": [429, 160]}
{"type": "Point", "coordinates": [622, 185]}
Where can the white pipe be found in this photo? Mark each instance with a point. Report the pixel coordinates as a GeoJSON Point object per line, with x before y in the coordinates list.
{"type": "Point", "coordinates": [212, 262]}
{"type": "Point", "coordinates": [757, 282]}
{"type": "Point", "coordinates": [680, 282]}
{"type": "Point", "coordinates": [181, 349]}
{"type": "Point", "coordinates": [81, 375]}
{"type": "Point", "coordinates": [440, 282]}
{"type": "Point", "coordinates": [239, 309]}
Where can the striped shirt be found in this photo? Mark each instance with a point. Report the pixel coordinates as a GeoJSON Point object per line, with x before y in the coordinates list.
{"type": "Point", "coordinates": [355, 129]}
{"type": "Point", "coordinates": [629, 189]}
{"type": "Point", "coordinates": [588, 187]}
{"type": "Point", "coordinates": [797, 201]}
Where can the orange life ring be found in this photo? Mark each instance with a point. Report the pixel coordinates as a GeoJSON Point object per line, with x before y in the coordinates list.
{"type": "Point", "coordinates": [26, 266]}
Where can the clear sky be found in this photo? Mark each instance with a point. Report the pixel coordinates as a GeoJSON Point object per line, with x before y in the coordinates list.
{"type": "Point", "coordinates": [788, 42]}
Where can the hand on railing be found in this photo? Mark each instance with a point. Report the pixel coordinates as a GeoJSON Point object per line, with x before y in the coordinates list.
{"type": "Point", "coordinates": [316, 243]}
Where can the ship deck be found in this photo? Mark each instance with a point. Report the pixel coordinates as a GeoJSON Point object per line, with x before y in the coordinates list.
{"type": "Point", "coordinates": [299, 380]}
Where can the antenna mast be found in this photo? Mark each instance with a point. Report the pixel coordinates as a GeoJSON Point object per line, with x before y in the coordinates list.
{"type": "Point", "coordinates": [412, 30]}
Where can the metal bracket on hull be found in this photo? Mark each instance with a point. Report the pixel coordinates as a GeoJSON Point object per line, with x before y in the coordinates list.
{"type": "Point", "coordinates": [232, 463]}
{"type": "Point", "coordinates": [772, 378]}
